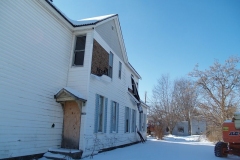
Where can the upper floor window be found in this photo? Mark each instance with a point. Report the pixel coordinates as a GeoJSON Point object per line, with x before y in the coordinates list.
{"type": "Point", "coordinates": [120, 70]}
{"type": "Point", "coordinates": [110, 67]}
{"type": "Point", "coordinates": [79, 51]}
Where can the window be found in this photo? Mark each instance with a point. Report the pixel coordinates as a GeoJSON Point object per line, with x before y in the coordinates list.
{"type": "Point", "coordinates": [140, 121]}
{"type": "Point", "coordinates": [79, 51]}
{"type": "Point", "coordinates": [120, 70]}
{"type": "Point", "coordinates": [100, 114]}
{"type": "Point", "coordinates": [110, 67]}
{"type": "Point", "coordinates": [144, 122]}
{"type": "Point", "coordinates": [127, 119]}
{"type": "Point", "coordinates": [133, 120]}
{"type": "Point", "coordinates": [181, 129]}
{"type": "Point", "coordinates": [114, 117]}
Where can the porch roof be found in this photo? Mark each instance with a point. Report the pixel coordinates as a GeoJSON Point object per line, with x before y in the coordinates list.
{"type": "Point", "coordinates": [68, 93]}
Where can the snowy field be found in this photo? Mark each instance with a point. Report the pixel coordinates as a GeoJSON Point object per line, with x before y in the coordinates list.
{"type": "Point", "coordinates": [171, 148]}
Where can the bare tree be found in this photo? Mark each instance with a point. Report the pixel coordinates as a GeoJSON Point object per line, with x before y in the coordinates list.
{"type": "Point", "coordinates": [185, 99]}
{"type": "Point", "coordinates": [162, 108]}
{"type": "Point", "coordinates": [219, 89]}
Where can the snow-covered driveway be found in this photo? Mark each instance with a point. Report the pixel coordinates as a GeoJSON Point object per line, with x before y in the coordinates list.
{"type": "Point", "coordinates": [172, 148]}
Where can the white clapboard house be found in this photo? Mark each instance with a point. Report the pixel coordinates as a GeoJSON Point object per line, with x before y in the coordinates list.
{"type": "Point", "coordinates": [64, 83]}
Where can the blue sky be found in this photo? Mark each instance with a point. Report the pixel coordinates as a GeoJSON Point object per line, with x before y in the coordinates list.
{"type": "Point", "coordinates": [168, 36]}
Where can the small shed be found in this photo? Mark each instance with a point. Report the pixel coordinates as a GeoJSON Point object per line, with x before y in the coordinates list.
{"type": "Point", "coordinates": [181, 129]}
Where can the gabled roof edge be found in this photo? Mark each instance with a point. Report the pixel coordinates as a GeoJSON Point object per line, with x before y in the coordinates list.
{"type": "Point", "coordinates": [122, 44]}
{"type": "Point", "coordinates": [69, 21]}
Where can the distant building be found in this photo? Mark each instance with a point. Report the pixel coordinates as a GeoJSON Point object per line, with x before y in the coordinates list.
{"type": "Point", "coordinates": [198, 127]}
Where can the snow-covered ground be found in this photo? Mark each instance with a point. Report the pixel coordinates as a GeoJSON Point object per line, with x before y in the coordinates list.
{"type": "Point", "coordinates": [171, 148]}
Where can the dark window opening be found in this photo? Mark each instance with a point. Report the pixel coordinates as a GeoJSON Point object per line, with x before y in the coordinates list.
{"type": "Point", "coordinates": [127, 119]}
{"type": "Point", "coordinates": [120, 70]}
{"type": "Point", "coordinates": [181, 129]}
{"type": "Point", "coordinates": [79, 51]}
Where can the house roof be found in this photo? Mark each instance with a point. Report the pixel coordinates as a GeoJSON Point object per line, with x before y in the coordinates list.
{"type": "Point", "coordinates": [81, 22]}
{"type": "Point", "coordinates": [91, 22]}
{"type": "Point", "coordinates": [144, 104]}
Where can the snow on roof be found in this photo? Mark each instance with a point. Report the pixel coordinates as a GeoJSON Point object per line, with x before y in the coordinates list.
{"type": "Point", "coordinates": [82, 22]}
{"type": "Point", "coordinates": [93, 20]}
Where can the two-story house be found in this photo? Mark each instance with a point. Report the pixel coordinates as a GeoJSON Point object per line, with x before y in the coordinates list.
{"type": "Point", "coordinates": [64, 83]}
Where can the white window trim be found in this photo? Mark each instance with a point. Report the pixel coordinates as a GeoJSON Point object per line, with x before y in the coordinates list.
{"type": "Point", "coordinates": [73, 57]}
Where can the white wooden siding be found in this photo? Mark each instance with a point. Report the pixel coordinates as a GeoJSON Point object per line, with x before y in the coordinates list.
{"type": "Point", "coordinates": [115, 90]}
{"type": "Point", "coordinates": [108, 32]}
{"type": "Point", "coordinates": [78, 76]}
{"type": "Point", "coordinates": [35, 53]}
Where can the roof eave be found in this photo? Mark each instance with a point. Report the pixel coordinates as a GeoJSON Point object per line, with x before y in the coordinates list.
{"type": "Point", "coordinates": [123, 48]}
{"type": "Point", "coordinates": [55, 12]}
{"type": "Point", "coordinates": [136, 73]}
{"type": "Point", "coordinates": [144, 105]}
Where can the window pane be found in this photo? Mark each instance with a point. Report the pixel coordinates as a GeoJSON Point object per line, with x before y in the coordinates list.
{"type": "Point", "coordinates": [110, 59]}
{"type": "Point", "coordinates": [79, 58]}
{"type": "Point", "coordinates": [127, 120]}
{"type": "Point", "coordinates": [80, 43]}
{"type": "Point", "coordinates": [100, 125]}
{"type": "Point", "coordinates": [133, 119]}
{"type": "Point", "coordinates": [110, 71]}
{"type": "Point", "coordinates": [120, 70]}
{"type": "Point", "coordinates": [114, 116]}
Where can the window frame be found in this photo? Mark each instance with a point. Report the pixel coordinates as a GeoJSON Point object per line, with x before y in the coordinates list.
{"type": "Point", "coordinates": [110, 65]}
{"type": "Point", "coordinates": [140, 121]}
{"type": "Point", "coordinates": [74, 52]}
{"type": "Point", "coordinates": [100, 120]}
{"type": "Point", "coordinates": [127, 121]}
{"type": "Point", "coordinates": [144, 122]}
{"type": "Point", "coordinates": [114, 120]}
{"type": "Point", "coordinates": [120, 70]}
{"type": "Point", "coordinates": [101, 115]}
{"type": "Point", "coordinates": [133, 120]}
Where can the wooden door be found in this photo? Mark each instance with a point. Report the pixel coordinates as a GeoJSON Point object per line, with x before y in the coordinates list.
{"type": "Point", "coordinates": [71, 125]}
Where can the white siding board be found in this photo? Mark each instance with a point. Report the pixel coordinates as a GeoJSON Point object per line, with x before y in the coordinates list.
{"type": "Point", "coordinates": [110, 36]}
{"type": "Point", "coordinates": [29, 137]}
{"type": "Point", "coordinates": [33, 131]}
{"type": "Point", "coordinates": [78, 77]}
{"type": "Point", "coordinates": [35, 56]}
{"type": "Point", "coordinates": [27, 151]}
{"type": "Point", "coordinates": [23, 152]}
{"type": "Point", "coordinates": [115, 90]}
{"type": "Point", "coordinates": [36, 61]}
{"type": "Point", "coordinates": [29, 119]}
